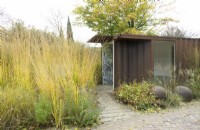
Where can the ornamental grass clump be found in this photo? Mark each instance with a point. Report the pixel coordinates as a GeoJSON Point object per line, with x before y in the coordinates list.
{"type": "Point", "coordinates": [38, 70]}
{"type": "Point", "coordinates": [82, 110]}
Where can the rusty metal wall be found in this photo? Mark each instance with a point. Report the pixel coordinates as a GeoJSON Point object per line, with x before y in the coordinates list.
{"type": "Point", "coordinates": [184, 50]}
{"type": "Point", "coordinates": [132, 60]}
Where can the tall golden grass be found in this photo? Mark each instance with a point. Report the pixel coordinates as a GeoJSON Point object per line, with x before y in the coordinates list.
{"type": "Point", "coordinates": [42, 63]}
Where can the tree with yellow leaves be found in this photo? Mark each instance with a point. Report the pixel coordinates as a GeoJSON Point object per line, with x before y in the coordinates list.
{"type": "Point", "coordinates": [111, 17]}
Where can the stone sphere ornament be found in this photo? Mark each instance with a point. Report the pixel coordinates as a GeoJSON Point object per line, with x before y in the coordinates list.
{"type": "Point", "coordinates": [159, 92]}
{"type": "Point", "coordinates": [184, 92]}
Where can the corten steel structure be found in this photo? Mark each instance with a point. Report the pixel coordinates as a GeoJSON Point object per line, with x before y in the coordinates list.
{"type": "Point", "coordinates": [134, 56]}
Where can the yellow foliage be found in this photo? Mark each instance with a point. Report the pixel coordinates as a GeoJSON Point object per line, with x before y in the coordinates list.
{"type": "Point", "coordinates": [34, 61]}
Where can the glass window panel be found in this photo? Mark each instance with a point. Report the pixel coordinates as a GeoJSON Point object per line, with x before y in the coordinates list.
{"type": "Point", "coordinates": [163, 58]}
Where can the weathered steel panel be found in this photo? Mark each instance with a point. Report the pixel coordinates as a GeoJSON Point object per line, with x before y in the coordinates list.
{"type": "Point", "coordinates": [117, 62]}
{"type": "Point", "coordinates": [132, 59]}
{"type": "Point", "coordinates": [184, 49]}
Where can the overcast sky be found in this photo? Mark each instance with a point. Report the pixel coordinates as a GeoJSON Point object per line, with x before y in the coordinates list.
{"type": "Point", "coordinates": [37, 12]}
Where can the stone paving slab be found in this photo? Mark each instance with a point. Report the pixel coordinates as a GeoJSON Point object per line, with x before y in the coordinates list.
{"type": "Point", "coordinates": [116, 116]}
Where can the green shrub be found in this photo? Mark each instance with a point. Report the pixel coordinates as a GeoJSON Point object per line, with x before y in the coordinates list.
{"type": "Point", "coordinates": [194, 82]}
{"type": "Point", "coordinates": [192, 74]}
{"type": "Point", "coordinates": [138, 95]}
{"type": "Point", "coordinates": [16, 107]}
{"type": "Point", "coordinates": [190, 78]}
{"type": "Point", "coordinates": [43, 110]}
{"type": "Point", "coordinates": [82, 110]}
{"type": "Point", "coordinates": [173, 100]}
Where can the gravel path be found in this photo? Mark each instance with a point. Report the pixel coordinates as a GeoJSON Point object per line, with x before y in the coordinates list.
{"type": "Point", "coordinates": [116, 116]}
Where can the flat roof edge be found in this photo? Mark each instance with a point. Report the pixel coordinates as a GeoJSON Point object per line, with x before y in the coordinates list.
{"type": "Point", "coordinates": [104, 38]}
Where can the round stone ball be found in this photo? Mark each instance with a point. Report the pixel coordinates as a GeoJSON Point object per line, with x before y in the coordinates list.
{"type": "Point", "coordinates": [184, 92]}
{"type": "Point", "coordinates": [159, 92]}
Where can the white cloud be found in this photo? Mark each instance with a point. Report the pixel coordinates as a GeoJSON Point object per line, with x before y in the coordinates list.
{"type": "Point", "coordinates": [188, 14]}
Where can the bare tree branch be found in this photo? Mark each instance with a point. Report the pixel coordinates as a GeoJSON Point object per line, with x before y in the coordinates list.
{"type": "Point", "coordinates": [174, 31]}
{"type": "Point", "coordinates": [55, 20]}
{"type": "Point", "coordinates": [4, 18]}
